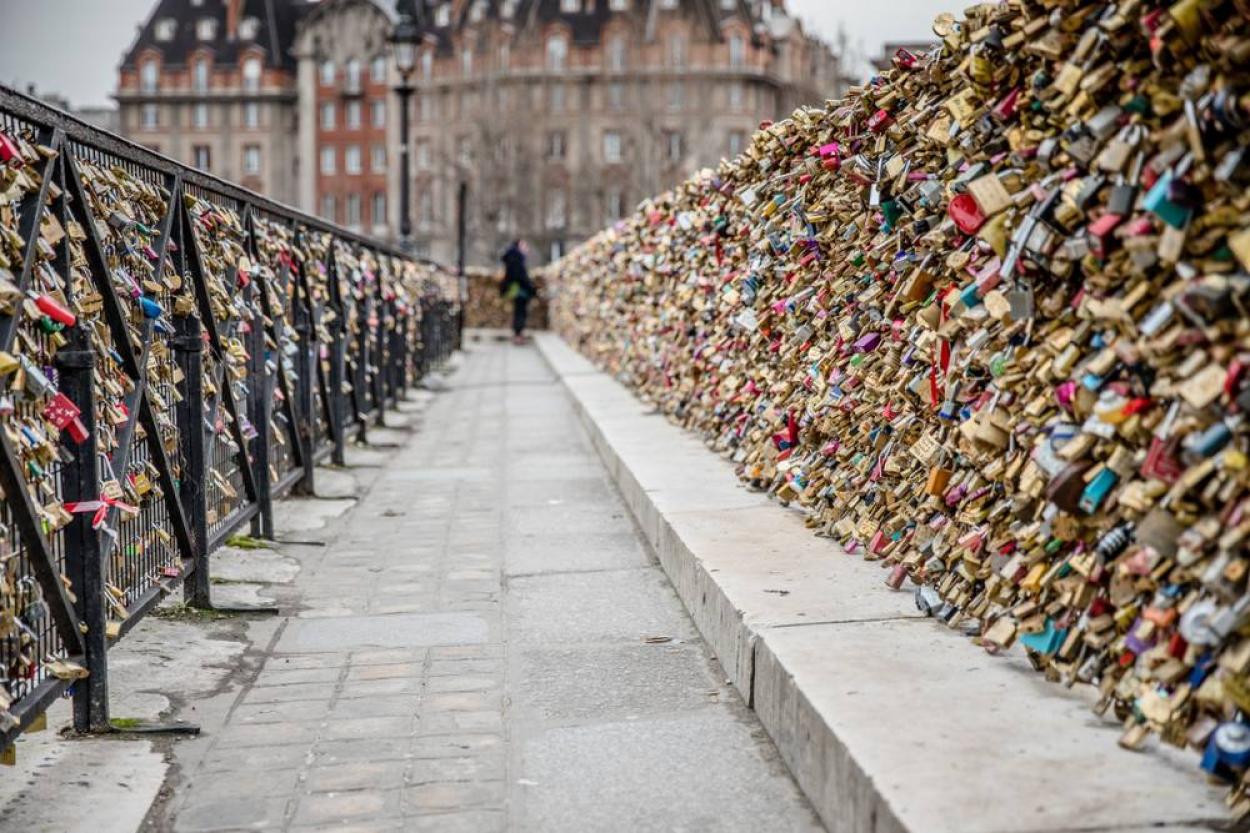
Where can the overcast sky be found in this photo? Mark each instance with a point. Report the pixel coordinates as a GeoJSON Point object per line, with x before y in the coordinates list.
{"type": "Point", "coordinates": [73, 47]}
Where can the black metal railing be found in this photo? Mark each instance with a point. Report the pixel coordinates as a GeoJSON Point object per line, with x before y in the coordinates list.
{"type": "Point", "coordinates": [175, 354]}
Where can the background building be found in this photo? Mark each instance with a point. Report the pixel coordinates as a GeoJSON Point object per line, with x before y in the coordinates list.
{"type": "Point", "coordinates": [211, 83]}
{"type": "Point", "coordinates": [558, 115]}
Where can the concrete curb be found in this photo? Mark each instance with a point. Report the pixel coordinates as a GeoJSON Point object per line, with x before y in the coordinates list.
{"type": "Point", "coordinates": [888, 721]}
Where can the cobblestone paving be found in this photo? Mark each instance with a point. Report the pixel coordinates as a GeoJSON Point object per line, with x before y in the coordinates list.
{"type": "Point", "coordinates": [484, 644]}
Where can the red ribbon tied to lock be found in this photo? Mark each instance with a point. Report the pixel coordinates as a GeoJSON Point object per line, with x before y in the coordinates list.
{"type": "Point", "coordinates": [99, 509]}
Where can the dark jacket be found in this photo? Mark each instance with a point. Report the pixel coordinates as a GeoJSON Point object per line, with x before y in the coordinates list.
{"type": "Point", "coordinates": [515, 273]}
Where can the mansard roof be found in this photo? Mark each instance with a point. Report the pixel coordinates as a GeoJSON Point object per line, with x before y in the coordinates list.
{"type": "Point", "coordinates": [275, 31]}
{"type": "Point", "coordinates": [587, 24]}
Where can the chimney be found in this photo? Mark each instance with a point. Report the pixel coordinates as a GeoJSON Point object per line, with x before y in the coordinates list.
{"type": "Point", "coordinates": [234, 10]}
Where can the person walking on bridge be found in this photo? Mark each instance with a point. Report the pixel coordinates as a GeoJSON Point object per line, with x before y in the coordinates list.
{"type": "Point", "coordinates": [517, 287]}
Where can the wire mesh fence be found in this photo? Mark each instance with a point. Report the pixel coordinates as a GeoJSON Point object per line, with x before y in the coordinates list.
{"type": "Point", "coordinates": [175, 353]}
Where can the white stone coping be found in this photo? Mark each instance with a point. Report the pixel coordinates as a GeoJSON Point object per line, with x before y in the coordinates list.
{"type": "Point", "coordinates": [888, 721]}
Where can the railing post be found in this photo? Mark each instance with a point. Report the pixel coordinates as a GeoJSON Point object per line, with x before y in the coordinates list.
{"type": "Point", "coordinates": [84, 555]}
{"type": "Point", "coordinates": [188, 346]}
{"type": "Point", "coordinates": [305, 393]}
{"type": "Point", "coordinates": [361, 370]}
{"type": "Point", "coordinates": [259, 412]}
{"type": "Point", "coordinates": [338, 401]}
{"type": "Point", "coordinates": [381, 360]}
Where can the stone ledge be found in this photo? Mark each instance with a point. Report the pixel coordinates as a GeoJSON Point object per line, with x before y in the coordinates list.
{"type": "Point", "coordinates": [888, 721]}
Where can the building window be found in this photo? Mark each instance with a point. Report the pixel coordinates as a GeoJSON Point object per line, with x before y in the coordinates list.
{"type": "Point", "coordinates": [466, 62]}
{"type": "Point", "coordinates": [327, 72]}
{"type": "Point", "coordinates": [676, 95]}
{"type": "Point", "coordinates": [202, 157]}
{"type": "Point", "coordinates": [735, 95]}
{"type": "Point", "coordinates": [379, 208]}
{"type": "Point", "coordinates": [353, 210]}
{"type": "Point", "coordinates": [206, 28]}
{"type": "Point", "coordinates": [611, 147]}
{"type": "Point", "coordinates": [737, 142]}
{"type": "Point", "coordinates": [675, 146]}
{"type": "Point", "coordinates": [557, 250]}
{"type": "Point", "coordinates": [668, 4]}
{"type": "Point", "coordinates": [352, 78]}
{"type": "Point", "coordinates": [616, 95]}
{"type": "Point", "coordinates": [200, 116]}
{"type": "Point", "coordinates": [616, 53]}
{"type": "Point", "coordinates": [557, 98]}
{"type": "Point", "coordinates": [248, 28]}
{"type": "Point", "coordinates": [442, 15]}
{"type": "Point", "coordinates": [423, 153]}
{"type": "Point", "coordinates": [150, 117]}
{"type": "Point", "coordinates": [353, 115]}
{"type": "Point", "coordinates": [557, 210]}
{"type": "Point", "coordinates": [425, 108]}
{"type": "Point", "coordinates": [199, 76]}
{"type": "Point", "coordinates": [570, 6]}
{"type": "Point", "coordinates": [251, 114]}
{"type": "Point", "coordinates": [329, 209]}
{"type": "Point", "coordinates": [378, 110]}
{"type": "Point", "coordinates": [505, 55]}
{"type": "Point", "coordinates": [677, 50]}
{"type": "Point", "coordinates": [425, 209]}
{"type": "Point", "coordinates": [618, 5]}
{"type": "Point", "coordinates": [427, 65]}
{"type": "Point", "coordinates": [556, 145]}
{"type": "Point", "coordinates": [149, 76]}
{"type": "Point", "coordinates": [377, 159]}
{"type": "Point", "coordinates": [377, 69]}
{"type": "Point", "coordinates": [614, 205]}
{"type": "Point", "coordinates": [557, 52]}
{"type": "Point", "coordinates": [327, 160]}
{"type": "Point", "coordinates": [351, 159]}
{"type": "Point", "coordinates": [251, 159]}
{"type": "Point", "coordinates": [251, 75]}
{"type": "Point", "coordinates": [737, 51]}
{"type": "Point", "coordinates": [327, 115]}
{"type": "Point", "coordinates": [166, 28]}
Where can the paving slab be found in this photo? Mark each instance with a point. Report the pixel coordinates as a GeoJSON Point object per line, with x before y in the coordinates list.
{"type": "Point", "coordinates": [889, 722]}
{"type": "Point", "coordinates": [473, 611]}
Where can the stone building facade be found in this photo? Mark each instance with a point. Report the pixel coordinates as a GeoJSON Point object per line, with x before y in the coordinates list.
{"type": "Point", "coordinates": [558, 115]}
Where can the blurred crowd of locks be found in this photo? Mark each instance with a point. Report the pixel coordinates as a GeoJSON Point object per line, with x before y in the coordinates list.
{"type": "Point", "coordinates": [986, 319]}
{"type": "Point", "coordinates": [110, 270]}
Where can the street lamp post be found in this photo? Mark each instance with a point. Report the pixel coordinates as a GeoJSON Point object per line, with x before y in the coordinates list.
{"type": "Point", "coordinates": [404, 49]}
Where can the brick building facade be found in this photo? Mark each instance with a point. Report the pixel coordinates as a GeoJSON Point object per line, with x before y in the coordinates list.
{"type": "Point", "coordinates": [559, 115]}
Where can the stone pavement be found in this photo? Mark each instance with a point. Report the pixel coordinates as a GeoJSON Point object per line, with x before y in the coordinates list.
{"type": "Point", "coordinates": [482, 643]}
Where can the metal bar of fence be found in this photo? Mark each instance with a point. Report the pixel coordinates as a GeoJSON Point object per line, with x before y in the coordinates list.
{"type": "Point", "coordinates": [203, 330]}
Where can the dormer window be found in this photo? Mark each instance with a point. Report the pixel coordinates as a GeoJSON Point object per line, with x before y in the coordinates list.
{"type": "Point", "coordinates": [442, 15]}
{"type": "Point", "coordinates": [206, 28]}
{"type": "Point", "coordinates": [570, 6]}
{"type": "Point", "coordinates": [248, 28]}
{"type": "Point", "coordinates": [477, 12]}
{"type": "Point", "coordinates": [166, 28]}
{"type": "Point", "coordinates": [618, 5]}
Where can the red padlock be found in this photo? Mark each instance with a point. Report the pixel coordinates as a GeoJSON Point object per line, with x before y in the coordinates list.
{"type": "Point", "coordinates": [49, 307]}
{"type": "Point", "coordinates": [879, 121]}
{"type": "Point", "coordinates": [966, 214]}
{"type": "Point", "coordinates": [61, 411]}
{"type": "Point", "coordinates": [10, 153]}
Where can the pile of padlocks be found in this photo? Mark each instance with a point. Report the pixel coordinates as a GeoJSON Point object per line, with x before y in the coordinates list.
{"type": "Point", "coordinates": [110, 275]}
{"type": "Point", "coordinates": [486, 308]}
{"type": "Point", "coordinates": [986, 319]}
